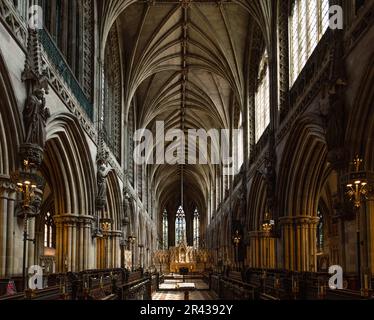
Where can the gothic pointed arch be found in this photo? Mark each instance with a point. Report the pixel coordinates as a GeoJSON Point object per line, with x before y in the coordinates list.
{"type": "Point", "coordinates": [68, 156]}
{"type": "Point", "coordinates": [11, 129]}
{"type": "Point", "coordinates": [69, 172]}
{"type": "Point", "coordinates": [302, 173]}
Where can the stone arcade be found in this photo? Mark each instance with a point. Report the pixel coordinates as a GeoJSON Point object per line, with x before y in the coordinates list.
{"type": "Point", "coordinates": [295, 96]}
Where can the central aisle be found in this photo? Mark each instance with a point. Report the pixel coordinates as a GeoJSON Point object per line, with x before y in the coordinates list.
{"type": "Point", "coordinates": [168, 291]}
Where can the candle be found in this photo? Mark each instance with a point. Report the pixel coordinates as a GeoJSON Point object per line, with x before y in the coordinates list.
{"type": "Point", "coordinates": [366, 282]}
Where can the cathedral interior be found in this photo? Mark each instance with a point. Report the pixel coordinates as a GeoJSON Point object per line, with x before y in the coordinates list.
{"type": "Point", "coordinates": [92, 208]}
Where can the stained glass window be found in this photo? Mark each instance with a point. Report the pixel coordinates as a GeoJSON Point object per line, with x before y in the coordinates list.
{"type": "Point", "coordinates": [262, 99]}
{"type": "Point", "coordinates": [240, 145]}
{"type": "Point", "coordinates": [196, 229]}
{"type": "Point", "coordinates": [165, 240]}
{"type": "Point", "coordinates": [308, 22]}
{"type": "Point", "coordinates": [180, 227]}
{"type": "Point", "coordinates": [49, 234]}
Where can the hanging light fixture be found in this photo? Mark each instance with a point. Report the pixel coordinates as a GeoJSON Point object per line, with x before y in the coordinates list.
{"type": "Point", "coordinates": [357, 185]}
{"type": "Point", "coordinates": [267, 225]}
{"type": "Point", "coordinates": [29, 185]}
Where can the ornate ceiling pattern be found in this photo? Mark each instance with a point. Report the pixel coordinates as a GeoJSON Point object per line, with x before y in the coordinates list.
{"type": "Point", "coordinates": [186, 63]}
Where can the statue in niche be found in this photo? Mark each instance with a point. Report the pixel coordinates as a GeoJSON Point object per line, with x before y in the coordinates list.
{"type": "Point", "coordinates": [102, 174]}
{"type": "Point", "coordinates": [35, 115]}
{"type": "Point", "coordinates": [101, 182]}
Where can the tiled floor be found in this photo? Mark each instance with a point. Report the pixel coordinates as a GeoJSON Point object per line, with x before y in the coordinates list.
{"type": "Point", "coordinates": [176, 295]}
{"type": "Point", "coordinates": [171, 284]}
{"type": "Point", "coordinates": [168, 291]}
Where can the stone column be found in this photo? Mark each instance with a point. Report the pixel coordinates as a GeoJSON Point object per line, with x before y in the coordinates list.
{"type": "Point", "coordinates": [10, 237]}
{"type": "Point", "coordinates": [81, 247]}
{"type": "Point", "coordinates": [117, 249]}
{"type": "Point", "coordinates": [30, 245]}
{"type": "Point", "coordinates": [7, 199]}
{"type": "Point", "coordinates": [3, 230]}
{"type": "Point", "coordinates": [288, 243]}
{"type": "Point", "coordinates": [114, 254]}
{"type": "Point", "coordinates": [74, 246]}
{"type": "Point", "coordinates": [141, 255]}
{"type": "Point", "coordinates": [69, 227]}
{"type": "Point", "coordinates": [67, 245]}
{"type": "Point", "coordinates": [262, 251]}
{"type": "Point", "coordinates": [312, 244]}
{"type": "Point", "coordinates": [109, 251]}
{"type": "Point", "coordinates": [370, 230]}
{"type": "Point", "coordinates": [87, 241]}
{"type": "Point", "coordinates": [258, 252]}
{"type": "Point", "coordinates": [298, 248]}
{"type": "Point", "coordinates": [59, 244]}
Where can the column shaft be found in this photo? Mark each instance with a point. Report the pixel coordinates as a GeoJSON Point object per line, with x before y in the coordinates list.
{"type": "Point", "coordinates": [10, 239]}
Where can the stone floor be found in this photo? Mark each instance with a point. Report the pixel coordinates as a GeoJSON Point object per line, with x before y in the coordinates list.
{"type": "Point", "coordinates": [176, 295]}
{"type": "Point", "coordinates": [171, 284]}
{"type": "Point", "coordinates": [168, 291]}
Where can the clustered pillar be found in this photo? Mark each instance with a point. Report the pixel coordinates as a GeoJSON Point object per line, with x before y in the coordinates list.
{"type": "Point", "coordinates": [262, 251]}
{"type": "Point", "coordinates": [7, 201]}
{"type": "Point", "coordinates": [299, 239]}
{"type": "Point", "coordinates": [73, 239]}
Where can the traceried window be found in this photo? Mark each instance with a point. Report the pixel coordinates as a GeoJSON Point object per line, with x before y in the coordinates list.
{"type": "Point", "coordinates": [196, 229]}
{"type": "Point", "coordinates": [308, 22]}
{"type": "Point", "coordinates": [262, 99]}
{"type": "Point", "coordinates": [49, 231]}
{"type": "Point", "coordinates": [239, 145]}
{"type": "Point", "coordinates": [180, 227]}
{"type": "Point", "coordinates": [165, 240]}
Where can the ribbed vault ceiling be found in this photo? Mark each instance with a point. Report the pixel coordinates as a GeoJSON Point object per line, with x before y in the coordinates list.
{"type": "Point", "coordinates": [185, 64]}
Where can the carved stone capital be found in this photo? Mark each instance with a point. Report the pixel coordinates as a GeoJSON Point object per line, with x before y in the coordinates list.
{"type": "Point", "coordinates": [86, 221]}
{"type": "Point", "coordinates": [6, 184]}
{"type": "Point", "coordinates": [66, 219]}
{"type": "Point", "coordinates": [115, 234]}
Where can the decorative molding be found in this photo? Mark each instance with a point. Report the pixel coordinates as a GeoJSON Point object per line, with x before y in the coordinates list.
{"type": "Point", "coordinates": [298, 220]}
{"type": "Point", "coordinates": [12, 20]}
{"type": "Point", "coordinates": [6, 184]}
{"type": "Point", "coordinates": [66, 219]}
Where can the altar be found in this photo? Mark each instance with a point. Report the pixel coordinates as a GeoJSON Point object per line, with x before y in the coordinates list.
{"type": "Point", "coordinates": [182, 256]}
